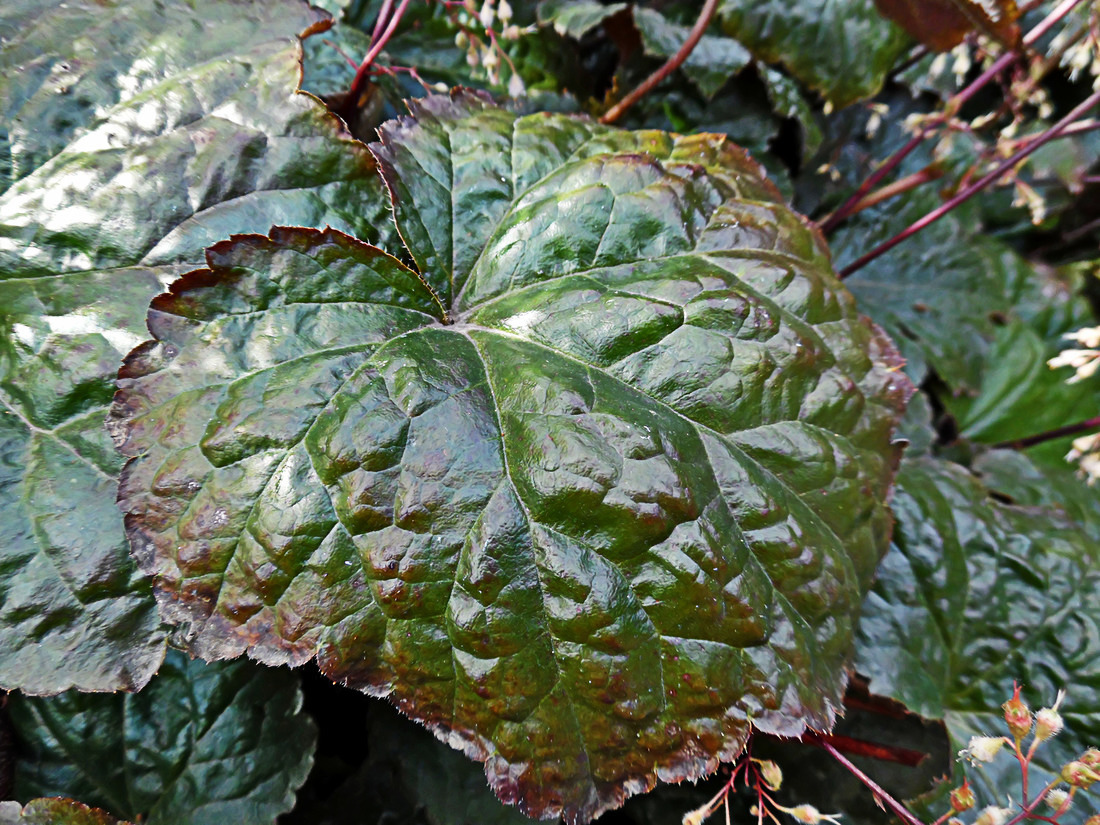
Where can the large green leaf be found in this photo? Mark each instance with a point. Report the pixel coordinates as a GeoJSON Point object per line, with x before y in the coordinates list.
{"type": "Point", "coordinates": [54, 811]}
{"type": "Point", "coordinates": [843, 50]}
{"type": "Point", "coordinates": [598, 486]}
{"type": "Point", "coordinates": [189, 129]}
{"type": "Point", "coordinates": [217, 743]}
{"type": "Point", "coordinates": [977, 594]}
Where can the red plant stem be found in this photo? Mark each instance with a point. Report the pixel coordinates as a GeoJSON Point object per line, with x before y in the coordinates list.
{"type": "Point", "coordinates": [1050, 435]}
{"type": "Point", "coordinates": [377, 45]}
{"type": "Point", "coordinates": [952, 105]}
{"type": "Point", "coordinates": [1089, 227]}
{"type": "Point", "coordinates": [1025, 761]}
{"type": "Point", "coordinates": [673, 63]}
{"type": "Point", "coordinates": [383, 13]}
{"type": "Point", "coordinates": [974, 188]}
{"type": "Point", "coordinates": [929, 173]}
{"type": "Point", "coordinates": [895, 806]}
{"type": "Point", "coordinates": [1028, 811]}
{"type": "Point", "coordinates": [871, 750]}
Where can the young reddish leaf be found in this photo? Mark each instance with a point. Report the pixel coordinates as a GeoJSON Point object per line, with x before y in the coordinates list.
{"type": "Point", "coordinates": [943, 24]}
{"type": "Point", "coordinates": [593, 492]}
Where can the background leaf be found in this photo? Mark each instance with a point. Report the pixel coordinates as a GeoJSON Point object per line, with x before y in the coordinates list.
{"type": "Point", "coordinates": [186, 130]}
{"type": "Point", "coordinates": [842, 50]}
{"type": "Point", "coordinates": [201, 744]}
{"type": "Point", "coordinates": [712, 62]}
{"type": "Point", "coordinates": [977, 594]}
{"type": "Point", "coordinates": [596, 486]}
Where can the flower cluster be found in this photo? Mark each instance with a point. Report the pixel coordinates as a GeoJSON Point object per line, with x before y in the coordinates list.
{"type": "Point", "coordinates": [763, 776]}
{"type": "Point", "coordinates": [481, 30]}
{"type": "Point", "coordinates": [1085, 360]}
{"type": "Point", "coordinates": [1077, 775]}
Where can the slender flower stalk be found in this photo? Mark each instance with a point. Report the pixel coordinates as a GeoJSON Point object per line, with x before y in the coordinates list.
{"type": "Point", "coordinates": [1087, 425]}
{"type": "Point", "coordinates": [377, 44]}
{"type": "Point", "coordinates": [673, 63]}
{"type": "Point", "coordinates": [974, 188]}
{"type": "Point", "coordinates": [952, 105]}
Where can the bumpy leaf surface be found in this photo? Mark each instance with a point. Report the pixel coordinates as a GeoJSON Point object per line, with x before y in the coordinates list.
{"type": "Point", "coordinates": [203, 743]}
{"type": "Point", "coordinates": [843, 50]}
{"type": "Point", "coordinates": [142, 132]}
{"type": "Point", "coordinates": [54, 811]}
{"type": "Point", "coordinates": [977, 594]}
{"type": "Point", "coordinates": [596, 486]}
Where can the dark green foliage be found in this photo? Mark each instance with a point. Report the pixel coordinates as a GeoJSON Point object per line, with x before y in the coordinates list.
{"type": "Point", "coordinates": [563, 438]}
{"type": "Point", "coordinates": [202, 744]}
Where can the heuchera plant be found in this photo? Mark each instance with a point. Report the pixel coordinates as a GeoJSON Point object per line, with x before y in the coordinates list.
{"type": "Point", "coordinates": [556, 429]}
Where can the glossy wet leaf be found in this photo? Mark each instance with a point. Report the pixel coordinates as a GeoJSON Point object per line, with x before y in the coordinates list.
{"type": "Point", "coordinates": [189, 132]}
{"type": "Point", "coordinates": [54, 811]}
{"type": "Point", "coordinates": [596, 486]}
{"type": "Point", "coordinates": [843, 50]}
{"type": "Point", "coordinates": [203, 743]}
{"type": "Point", "coordinates": [978, 593]}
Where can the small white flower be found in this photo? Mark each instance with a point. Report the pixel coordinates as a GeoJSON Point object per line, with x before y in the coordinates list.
{"type": "Point", "coordinates": [963, 63]}
{"type": "Point", "coordinates": [1086, 337]}
{"type": "Point", "coordinates": [504, 12]}
{"type": "Point", "coordinates": [1084, 361]}
{"type": "Point", "coordinates": [516, 87]}
{"type": "Point", "coordinates": [1056, 798]}
{"type": "Point", "coordinates": [487, 14]}
{"type": "Point", "coordinates": [983, 749]}
{"type": "Point", "coordinates": [809, 815]}
{"type": "Point", "coordinates": [993, 816]}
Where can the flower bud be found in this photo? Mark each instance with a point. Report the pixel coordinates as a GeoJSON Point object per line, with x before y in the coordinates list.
{"type": "Point", "coordinates": [1056, 798]}
{"type": "Point", "coordinates": [770, 773]}
{"type": "Point", "coordinates": [1017, 715]}
{"type": "Point", "coordinates": [1078, 774]}
{"type": "Point", "coordinates": [1091, 758]}
{"type": "Point", "coordinates": [697, 816]}
{"type": "Point", "coordinates": [962, 798]}
{"type": "Point", "coordinates": [1048, 723]}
